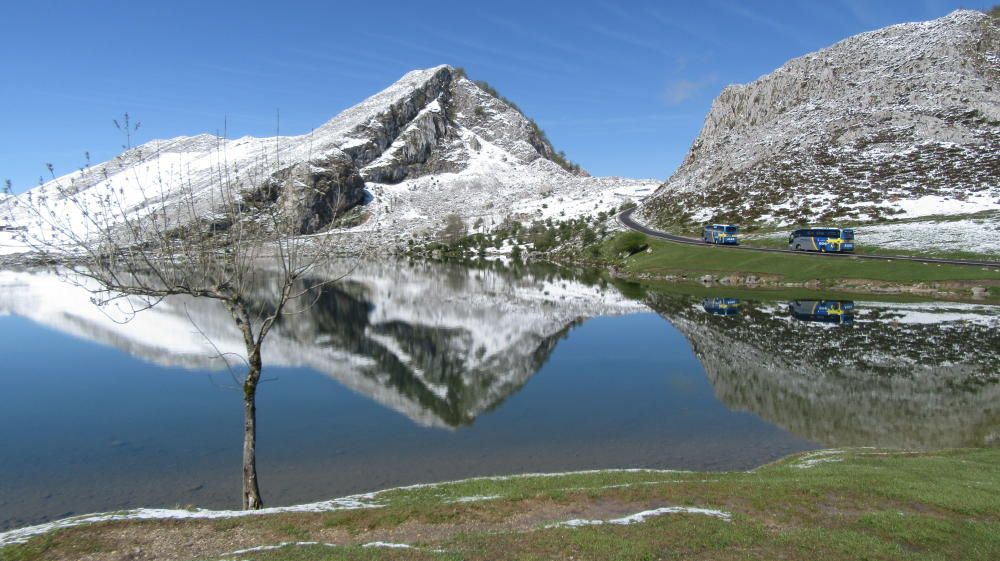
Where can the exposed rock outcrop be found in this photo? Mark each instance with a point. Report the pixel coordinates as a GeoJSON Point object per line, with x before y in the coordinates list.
{"type": "Point", "coordinates": [312, 194]}
{"type": "Point", "coordinates": [902, 121]}
{"type": "Point", "coordinates": [433, 143]}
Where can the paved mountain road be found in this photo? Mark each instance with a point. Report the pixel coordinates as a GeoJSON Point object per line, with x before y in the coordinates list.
{"type": "Point", "coordinates": [625, 219]}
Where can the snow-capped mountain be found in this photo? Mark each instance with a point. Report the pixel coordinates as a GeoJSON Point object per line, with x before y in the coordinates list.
{"type": "Point", "coordinates": [438, 343]}
{"type": "Point", "coordinates": [901, 122]}
{"type": "Point", "coordinates": [431, 144]}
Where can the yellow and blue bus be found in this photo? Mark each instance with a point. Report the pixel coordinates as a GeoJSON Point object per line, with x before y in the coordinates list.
{"type": "Point", "coordinates": [823, 311]}
{"type": "Point", "coordinates": [839, 240]}
{"type": "Point", "coordinates": [720, 234]}
{"type": "Point", "coordinates": [721, 306]}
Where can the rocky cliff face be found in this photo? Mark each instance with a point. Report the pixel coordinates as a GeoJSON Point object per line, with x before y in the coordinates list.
{"type": "Point", "coordinates": [899, 122]}
{"type": "Point", "coordinates": [431, 144]}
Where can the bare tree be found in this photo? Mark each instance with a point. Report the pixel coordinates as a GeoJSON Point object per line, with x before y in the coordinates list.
{"type": "Point", "coordinates": [159, 236]}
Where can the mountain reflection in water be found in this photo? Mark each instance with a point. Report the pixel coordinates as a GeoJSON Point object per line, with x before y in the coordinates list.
{"type": "Point", "coordinates": [438, 343]}
{"type": "Point", "coordinates": [845, 373]}
{"type": "Point", "coordinates": [508, 361]}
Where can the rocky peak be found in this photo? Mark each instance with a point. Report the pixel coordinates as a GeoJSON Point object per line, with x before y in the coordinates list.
{"type": "Point", "coordinates": [429, 123]}
{"type": "Point", "coordinates": [898, 114]}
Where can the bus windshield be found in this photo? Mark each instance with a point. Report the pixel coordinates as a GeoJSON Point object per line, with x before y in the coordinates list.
{"type": "Point", "coordinates": [847, 234]}
{"type": "Point", "coordinates": [730, 229]}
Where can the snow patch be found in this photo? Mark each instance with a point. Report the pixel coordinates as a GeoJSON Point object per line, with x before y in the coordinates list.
{"type": "Point", "coordinates": [814, 459]}
{"type": "Point", "coordinates": [271, 547]}
{"type": "Point", "coordinates": [475, 498]}
{"type": "Point", "coordinates": [641, 517]}
{"type": "Point", "coordinates": [389, 545]}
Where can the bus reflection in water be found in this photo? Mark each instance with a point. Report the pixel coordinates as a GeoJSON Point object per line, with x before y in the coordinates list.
{"type": "Point", "coordinates": [721, 306]}
{"type": "Point", "coordinates": [823, 311]}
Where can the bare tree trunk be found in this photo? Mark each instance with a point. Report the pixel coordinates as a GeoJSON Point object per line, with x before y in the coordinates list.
{"type": "Point", "coordinates": [251, 492]}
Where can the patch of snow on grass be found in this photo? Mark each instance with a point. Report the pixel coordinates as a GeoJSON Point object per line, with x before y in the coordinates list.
{"type": "Point", "coordinates": [275, 546]}
{"type": "Point", "coordinates": [475, 498]}
{"type": "Point", "coordinates": [641, 517]}
{"type": "Point", "coordinates": [973, 234]}
{"type": "Point", "coordinates": [22, 535]}
{"type": "Point", "coordinates": [813, 459]}
{"type": "Point", "coordinates": [389, 545]}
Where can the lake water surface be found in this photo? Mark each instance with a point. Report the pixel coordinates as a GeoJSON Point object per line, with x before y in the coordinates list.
{"type": "Point", "coordinates": [416, 372]}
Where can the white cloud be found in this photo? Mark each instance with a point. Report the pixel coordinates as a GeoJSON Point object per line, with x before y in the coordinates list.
{"type": "Point", "coordinates": [679, 91]}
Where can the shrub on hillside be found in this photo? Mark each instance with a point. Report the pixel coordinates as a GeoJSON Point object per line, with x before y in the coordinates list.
{"type": "Point", "coordinates": [629, 243]}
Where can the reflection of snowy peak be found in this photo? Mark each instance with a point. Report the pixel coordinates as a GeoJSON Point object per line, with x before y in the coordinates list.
{"type": "Point", "coordinates": [902, 121]}
{"type": "Point", "coordinates": [431, 144]}
{"type": "Point", "coordinates": [907, 375]}
{"type": "Point", "coordinates": [439, 344]}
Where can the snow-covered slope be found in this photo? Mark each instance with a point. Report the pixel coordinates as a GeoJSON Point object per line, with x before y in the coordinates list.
{"type": "Point", "coordinates": [433, 143]}
{"type": "Point", "coordinates": [437, 343]}
{"type": "Point", "coordinates": [900, 122]}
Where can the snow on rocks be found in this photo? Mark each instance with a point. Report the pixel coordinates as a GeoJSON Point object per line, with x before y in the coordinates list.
{"type": "Point", "coordinates": [433, 143]}
{"type": "Point", "coordinates": [901, 122]}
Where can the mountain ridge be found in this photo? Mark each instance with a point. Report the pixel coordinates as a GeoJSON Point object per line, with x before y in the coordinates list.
{"type": "Point", "coordinates": [431, 144]}
{"type": "Point", "coordinates": [899, 122]}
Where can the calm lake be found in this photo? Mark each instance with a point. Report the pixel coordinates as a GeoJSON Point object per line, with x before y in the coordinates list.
{"type": "Point", "coordinates": [417, 372]}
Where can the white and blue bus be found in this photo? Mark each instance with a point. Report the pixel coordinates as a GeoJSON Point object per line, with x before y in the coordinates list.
{"type": "Point", "coordinates": [720, 234]}
{"type": "Point", "coordinates": [822, 239]}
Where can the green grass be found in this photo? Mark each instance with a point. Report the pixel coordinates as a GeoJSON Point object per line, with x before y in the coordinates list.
{"type": "Point", "coordinates": [854, 504]}
{"type": "Point", "coordinates": [865, 249]}
{"type": "Point", "coordinates": [752, 236]}
{"type": "Point", "coordinates": [676, 259]}
{"type": "Point", "coordinates": [638, 290]}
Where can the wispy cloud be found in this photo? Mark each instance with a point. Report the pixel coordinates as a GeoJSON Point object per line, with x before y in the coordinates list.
{"type": "Point", "coordinates": [507, 52]}
{"type": "Point", "coordinates": [787, 30]}
{"type": "Point", "coordinates": [631, 37]}
{"type": "Point", "coordinates": [861, 11]}
{"type": "Point", "coordinates": [703, 36]}
{"type": "Point", "coordinates": [573, 49]}
{"type": "Point", "coordinates": [620, 120]}
{"type": "Point", "coordinates": [679, 91]}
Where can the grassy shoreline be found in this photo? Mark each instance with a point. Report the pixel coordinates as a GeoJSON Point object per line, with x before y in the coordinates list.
{"type": "Point", "coordinates": [647, 259]}
{"type": "Point", "coordinates": [833, 504]}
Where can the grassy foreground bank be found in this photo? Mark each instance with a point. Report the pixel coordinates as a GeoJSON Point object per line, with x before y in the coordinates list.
{"type": "Point", "coordinates": [853, 504]}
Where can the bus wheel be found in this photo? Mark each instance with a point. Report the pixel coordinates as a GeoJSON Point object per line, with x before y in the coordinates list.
{"type": "Point", "coordinates": [798, 247]}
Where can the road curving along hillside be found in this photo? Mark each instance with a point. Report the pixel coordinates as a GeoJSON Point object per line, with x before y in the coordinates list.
{"type": "Point", "coordinates": [625, 219]}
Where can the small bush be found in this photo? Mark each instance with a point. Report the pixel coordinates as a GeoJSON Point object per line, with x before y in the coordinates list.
{"type": "Point", "coordinates": [629, 243]}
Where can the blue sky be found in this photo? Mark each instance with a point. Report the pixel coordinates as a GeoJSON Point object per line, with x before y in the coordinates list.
{"type": "Point", "coordinates": [621, 87]}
